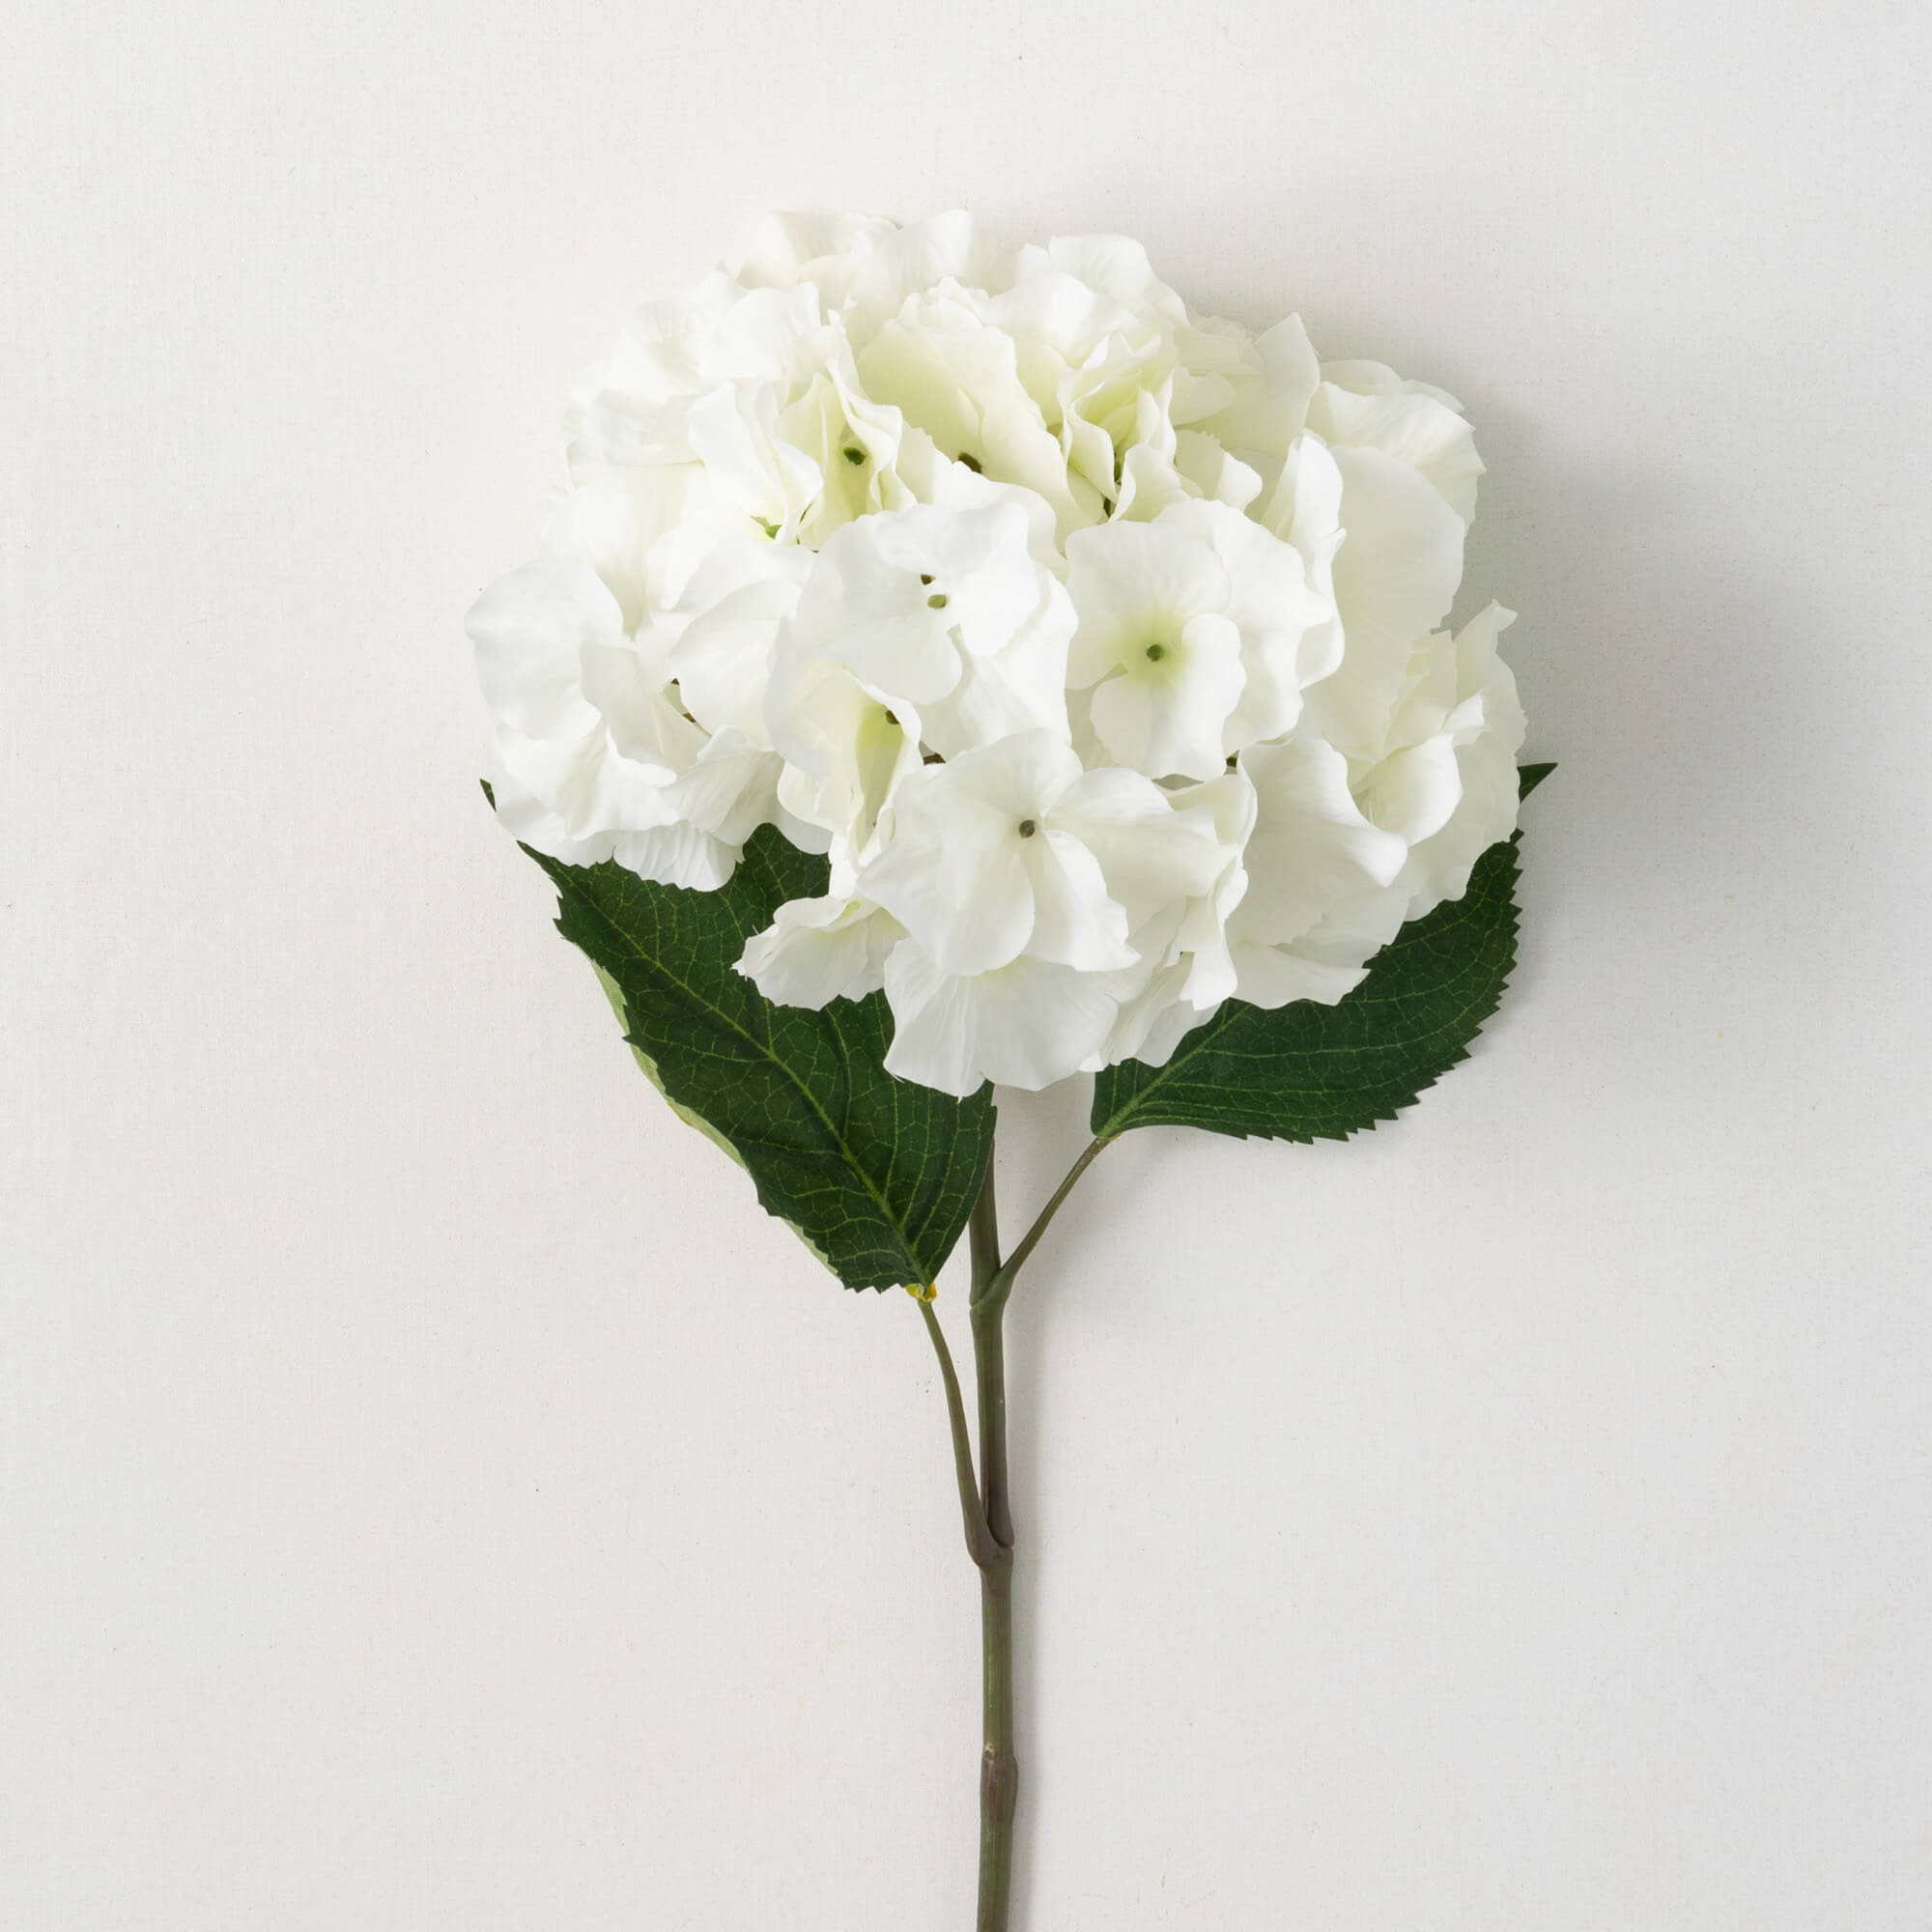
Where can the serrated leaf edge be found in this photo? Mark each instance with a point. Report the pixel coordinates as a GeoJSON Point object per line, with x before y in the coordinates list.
{"type": "Point", "coordinates": [1112, 1127]}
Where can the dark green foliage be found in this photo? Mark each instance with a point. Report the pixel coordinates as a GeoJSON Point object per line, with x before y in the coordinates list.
{"type": "Point", "coordinates": [876, 1174]}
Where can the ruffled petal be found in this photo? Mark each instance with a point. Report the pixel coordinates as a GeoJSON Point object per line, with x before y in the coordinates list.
{"type": "Point", "coordinates": [816, 950]}
{"type": "Point", "coordinates": [1026, 1025]}
{"type": "Point", "coordinates": [952, 873]}
{"type": "Point", "coordinates": [1075, 922]}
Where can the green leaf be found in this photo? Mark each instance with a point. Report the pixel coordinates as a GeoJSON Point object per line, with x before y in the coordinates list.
{"type": "Point", "coordinates": [1305, 1071]}
{"type": "Point", "coordinates": [877, 1176]}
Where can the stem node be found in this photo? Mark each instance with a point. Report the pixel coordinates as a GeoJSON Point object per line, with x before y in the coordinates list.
{"type": "Point", "coordinates": [986, 1509]}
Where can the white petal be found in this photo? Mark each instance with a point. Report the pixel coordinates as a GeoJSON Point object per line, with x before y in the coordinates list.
{"type": "Point", "coordinates": [612, 521]}
{"type": "Point", "coordinates": [532, 823]}
{"type": "Point", "coordinates": [956, 379]}
{"type": "Point", "coordinates": [1136, 585]}
{"type": "Point", "coordinates": [846, 748]}
{"type": "Point", "coordinates": [816, 950]}
{"type": "Point", "coordinates": [1020, 688]}
{"type": "Point", "coordinates": [1170, 716]}
{"type": "Point", "coordinates": [1074, 919]}
{"type": "Point", "coordinates": [1395, 576]}
{"type": "Point", "coordinates": [1311, 844]}
{"type": "Point", "coordinates": [641, 722]}
{"type": "Point", "coordinates": [581, 729]}
{"type": "Point", "coordinates": [732, 790]}
{"type": "Point", "coordinates": [1486, 810]}
{"type": "Point", "coordinates": [1021, 776]}
{"type": "Point", "coordinates": [788, 248]}
{"type": "Point", "coordinates": [531, 629]}
{"type": "Point", "coordinates": [866, 608]}
{"type": "Point", "coordinates": [1217, 473]}
{"type": "Point", "coordinates": [1409, 421]}
{"type": "Point", "coordinates": [723, 658]}
{"type": "Point", "coordinates": [679, 855]}
{"type": "Point", "coordinates": [734, 433]}
{"type": "Point", "coordinates": [951, 872]}
{"type": "Point", "coordinates": [1026, 1025]}
{"type": "Point", "coordinates": [1413, 792]}
{"type": "Point", "coordinates": [1273, 976]}
{"type": "Point", "coordinates": [1151, 854]}
{"type": "Point", "coordinates": [1273, 606]}
{"type": "Point", "coordinates": [1271, 407]}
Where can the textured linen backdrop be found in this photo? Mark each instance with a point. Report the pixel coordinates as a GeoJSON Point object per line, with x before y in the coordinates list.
{"type": "Point", "coordinates": [432, 1496]}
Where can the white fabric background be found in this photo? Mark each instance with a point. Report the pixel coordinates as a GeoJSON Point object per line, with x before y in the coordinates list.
{"type": "Point", "coordinates": [431, 1495]}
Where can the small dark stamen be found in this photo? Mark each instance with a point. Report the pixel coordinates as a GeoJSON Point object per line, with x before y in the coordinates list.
{"type": "Point", "coordinates": [925, 576]}
{"type": "Point", "coordinates": [854, 456]}
{"type": "Point", "coordinates": [972, 462]}
{"type": "Point", "coordinates": [937, 601]}
{"type": "Point", "coordinates": [1028, 828]}
{"type": "Point", "coordinates": [1156, 652]}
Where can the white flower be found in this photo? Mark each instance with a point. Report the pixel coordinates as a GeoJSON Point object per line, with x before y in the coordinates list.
{"type": "Point", "coordinates": [718, 637]}
{"type": "Point", "coordinates": [1187, 966]}
{"type": "Point", "coordinates": [1025, 1024]}
{"type": "Point", "coordinates": [980, 867]}
{"type": "Point", "coordinates": [1312, 848]}
{"type": "Point", "coordinates": [845, 747]}
{"type": "Point", "coordinates": [595, 750]}
{"type": "Point", "coordinates": [1016, 848]}
{"type": "Point", "coordinates": [1197, 633]}
{"type": "Point", "coordinates": [1100, 645]}
{"type": "Point", "coordinates": [955, 377]}
{"type": "Point", "coordinates": [950, 610]}
{"type": "Point", "coordinates": [817, 950]}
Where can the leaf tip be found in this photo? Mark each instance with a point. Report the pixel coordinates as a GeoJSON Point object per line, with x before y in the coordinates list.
{"type": "Point", "coordinates": [1529, 776]}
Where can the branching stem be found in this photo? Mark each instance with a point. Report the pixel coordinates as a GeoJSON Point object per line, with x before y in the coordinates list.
{"type": "Point", "coordinates": [977, 1541]}
{"type": "Point", "coordinates": [985, 1504]}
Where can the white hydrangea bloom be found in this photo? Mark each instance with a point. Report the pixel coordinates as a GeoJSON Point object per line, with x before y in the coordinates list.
{"type": "Point", "coordinates": [1098, 643]}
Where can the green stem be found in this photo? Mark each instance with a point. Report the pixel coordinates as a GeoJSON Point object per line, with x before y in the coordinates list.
{"type": "Point", "coordinates": [987, 1506]}
{"type": "Point", "coordinates": [978, 1543]}
{"type": "Point", "coordinates": [991, 1287]}
{"type": "Point", "coordinates": [1092, 1153]}
{"type": "Point", "coordinates": [999, 1768]}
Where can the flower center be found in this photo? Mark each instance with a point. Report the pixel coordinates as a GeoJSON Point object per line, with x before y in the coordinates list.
{"type": "Point", "coordinates": [853, 455]}
{"type": "Point", "coordinates": [1156, 652]}
{"type": "Point", "coordinates": [1028, 828]}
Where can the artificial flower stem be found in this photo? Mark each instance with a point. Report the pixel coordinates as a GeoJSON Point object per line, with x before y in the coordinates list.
{"type": "Point", "coordinates": [978, 1541]}
{"type": "Point", "coordinates": [991, 1284]}
{"type": "Point", "coordinates": [1003, 1278]}
{"type": "Point", "coordinates": [991, 1539]}
{"type": "Point", "coordinates": [999, 1766]}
